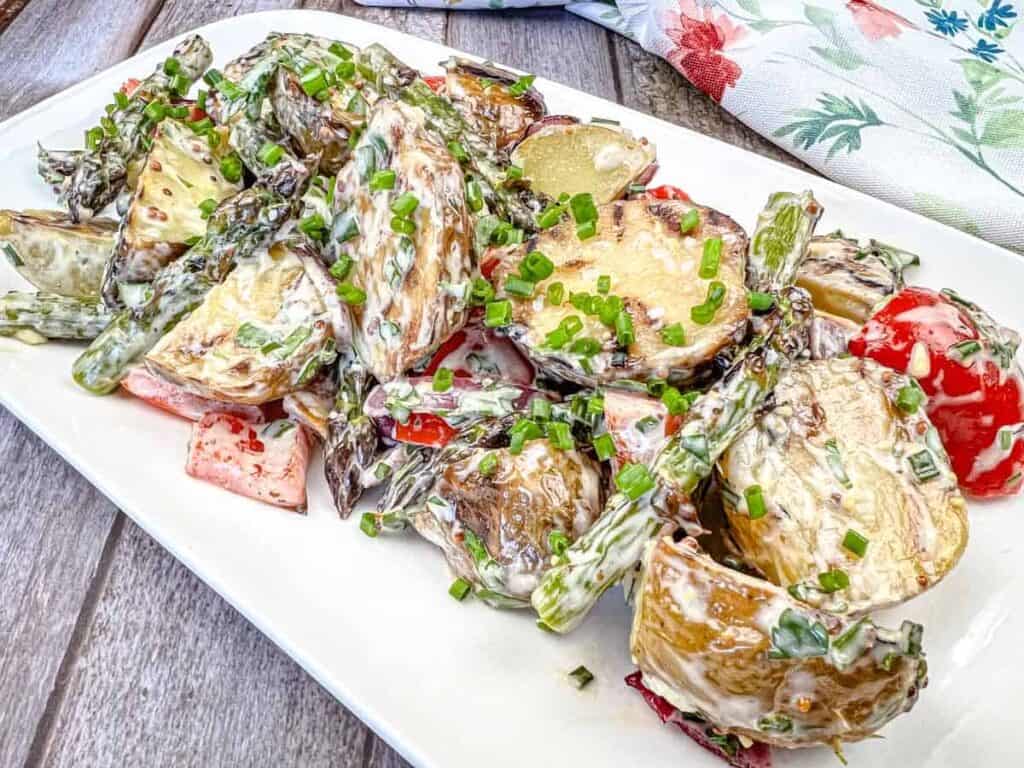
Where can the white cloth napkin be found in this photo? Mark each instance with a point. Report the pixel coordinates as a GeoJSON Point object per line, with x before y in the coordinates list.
{"type": "Point", "coordinates": [918, 102]}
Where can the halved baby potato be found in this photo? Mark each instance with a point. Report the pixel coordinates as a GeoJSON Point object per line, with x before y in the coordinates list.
{"type": "Point", "coordinates": [654, 269]}
{"type": "Point", "coordinates": [262, 333]}
{"type": "Point", "coordinates": [570, 158]}
{"type": "Point", "coordinates": [749, 659]}
{"type": "Point", "coordinates": [860, 507]}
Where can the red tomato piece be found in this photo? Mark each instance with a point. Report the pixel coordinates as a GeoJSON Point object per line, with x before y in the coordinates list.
{"type": "Point", "coordinates": [128, 86]}
{"type": "Point", "coordinates": [488, 267]}
{"type": "Point", "coordinates": [424, 429]}
{"type": "Point", "coordinates": [639, 425]}
{"type": "Point", "coordinates": [195, 113]}
{"type": "Point", "coordinates": [478, 352]}
{"type": "Point", "coordinates": [974, 403]}
{"type": "Point", "coordinates": [262, 461]}
{"type": "Point", "coordinates": [177, 400]}
{"type": "Point", "coordinates": [436, 82]}
{"type": "Point", "coordinates": [668, 192]}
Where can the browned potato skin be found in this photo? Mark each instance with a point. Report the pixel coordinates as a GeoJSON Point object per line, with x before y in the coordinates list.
{"type": "Point", "coordinates": [496, 113]}
{"type": "Point", "coordinates": [512, 511]}
{"type": "Point", "coordinates": [621, 225]}
{"type": "Point", "coordinates": [731, 641]}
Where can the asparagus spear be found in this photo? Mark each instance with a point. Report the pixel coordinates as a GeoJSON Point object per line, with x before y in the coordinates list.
{"type": "Point", "coordinates": [239, 226]}
{"type": "Point", "coordinates": [52, 316]}
{"type": "Point", "coordinates": [86, 180]}
{"type": "Point", "coordinates": [351, 435]}
{"type": "Point", "coordinates": [613, 545]}
{"type": "Point", "coordinates": [518, 204]}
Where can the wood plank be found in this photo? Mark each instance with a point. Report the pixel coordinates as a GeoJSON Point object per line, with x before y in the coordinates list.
{"type": "Point", "coordinates": [651, 85]}
{"type": "Point", "coordinates": [177, 16]}
{"type": "Point", "coordinates": [53, 44]}
{"type": "Point", "coordinates": [52, 534]}
{"type": "Point", "coordinates": [429, 24]}
{"type": "Point", "coordinates": [549, 42]}
{"type": "Point", "coordinates": [169, 674]}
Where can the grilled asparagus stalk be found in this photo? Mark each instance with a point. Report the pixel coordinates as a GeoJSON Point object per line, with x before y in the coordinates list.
{"type": "Point", "coordinates": [86, 180]}
{"type": "Point", "coordinates": [351, 436]}
{"type": "Point", "coordinates": [52, 316]}
{"type": "Point", "coordinates": [613, 545]}
{"type": "Point", "coordinates": [239, 226]}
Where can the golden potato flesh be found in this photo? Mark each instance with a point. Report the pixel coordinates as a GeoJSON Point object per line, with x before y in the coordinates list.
{"type": "Point", "coordinates": [835, 455]}
{"type": "Point", "coordinates": [511, 508]}
{"type": "Point", "coordinates": [484, 100]}
{"type": "Point", "coordinates": [262, 333]}
{"type": "Point", "coordinates": [414, 280]}
{"type": "Point", "coordinates": [847, 280]}
{"type": "Point", "coordinates": [749, 659]}
{"type": "Point", "coordinates": [653, 268]}
{"type": "Point", "coordinates": [575, 157]}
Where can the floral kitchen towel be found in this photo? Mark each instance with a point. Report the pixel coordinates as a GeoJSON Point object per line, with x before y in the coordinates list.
{"type": "Point", "coordinates": [919, 102]}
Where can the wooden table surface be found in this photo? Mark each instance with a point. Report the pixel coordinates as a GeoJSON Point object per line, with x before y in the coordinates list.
{"type": "Point", "coordinates": [111, 652]}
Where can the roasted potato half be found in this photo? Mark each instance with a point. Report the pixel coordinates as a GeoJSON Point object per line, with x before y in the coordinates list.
{"type": "Point", "coordinates": [410, 242]}
{"type": "Point", "coordinates": [54, 253]}
{"type": "Point", "coordinates": [858, 508]}
{"type": "Point", "coordinates": [264, 332]}
{"type": "Point", "coordinates": [745, 656]}
{"type": "Point", "coordinates": [654, 270]}
{"type": "Point", "coordinates": [569, 158]}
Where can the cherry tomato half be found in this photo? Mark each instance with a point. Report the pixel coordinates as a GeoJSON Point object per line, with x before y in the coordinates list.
{"type": "Point", "coordinates": [424, 429]}
{"type": "Point", "coordinates": [668, 192]}
{"type": "Point", "coordinates": [436, 82]}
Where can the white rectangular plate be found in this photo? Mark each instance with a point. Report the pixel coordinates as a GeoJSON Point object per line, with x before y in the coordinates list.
{"type": "Point", "coordinates": [457, 684]}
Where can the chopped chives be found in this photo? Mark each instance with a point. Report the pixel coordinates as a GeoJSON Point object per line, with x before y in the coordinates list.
{"type": "Point", "coordinates": [676, 402]}
{"type": "Point", "coordinates": [488, 464]}
{"type": "Point", "coordinates": [313, 225]}
{"type": "Point", "coordinates": [583, 207]}
{"type": "Point", "coordinates": [443, 378]}
{"type": "Point", "coordinates": [595, 405]}
{"type": "Point", "coordinates": [634, 480]}
{"type": "Point", "coordinates": [513, 173]}
{"type": "Point", "coordinates": [704, 313]}
{"type": "Point", "coordinates": [586, 230]}
{"type": "Point", "coordinates": [555, 294]}
{"type": "Point", "coordinates": [480, 293]}
{"type": "Point", "coordinates": [556, 339]}
{"type": "Point", "coordinates": [855, 542]}
{"type": "Point", "coordinates": [93, 137]}
{"type": "Point", "coordinates": [231, 168]}
{"type": "Point", "coordinates": [604, 447]}
{"type": "Point", "coordinates": [368, 524]}
{"type": "Point", "coordinates": [498, 313]}
{"type": "Point", "coordinates": [154, 111]}
{"type": "Point", "coordinates": [909, 398]}
{"type": "Point", "coordinates": [558, 543]}
{"type": "Point", "coordinates": [833, 580]}
{"type": "Point", "coordinates": [609, 309]}
{"type": "Point", "coordinates": [459, 589]}
{"type": "Point", "coordinates": [756, 508]}
{"type": "Point", "coordinates": [340, 268]}
{"type": "Point", "coordinates": [121, 100]}
{"type": "Point", "coordinates": [402, 225]}
{"type": "Point", "coordinates": [760, 302]}
{"type": "Point", "coordinates": [571, 325]}
{"type": "Point", "coordinates": [580, 301]}
{"type": "Point", "coordinates": [171, 66]}
{"type": "Point", "coordinates": [624, 332]}
{"type": "Point", "coordinates": [458, 151]}
{"type": "Point", "coordinates": [346, 70]}
{"type": "Point", "coordinates": [581, 676]}
{"type": "Point", "coordinates": [711, 258]}
{"type": "Point", "coordinates": [207, 207]}
{"type": "Point", "coordinates": [585, 347]}
{"type": "Point", "coordinates": [270, 154]}
{"type": "Point", "coordinates": [404, 204]}
{"type": "Point", "coordinates": [180, 84]}
{"type": "Point", "coordinates": [350, 294]}
{"type": "Point", "coordinates": [521, 432]}
{"type": "Point", "coordinates": [1005, 439]}
{"type": "Point", "coordinates": [522, 85]}
{"type": "Point", "coordinates": [536, 266]}
{"type": "Point", "coordinates": [674, 335]}
{"type": "Point", "coordinates": [109, 126]}
{"type": "Point", "coordinates": [313, 80]}
{"type": "Point", "coordinates": [201, 99]}
{"type": "Point", "coordinates": [518, 287]}
{"type": "Point", "coordinates": [474, 196]}
{"type": "Point", "coordinates": [549, 216]}
{"type": "Point", "coordinates": [560, 436]}
{"type": "Point", "coordinates": [381, 180]}
{"type": "Point", "coordinates": [201, 127]}
{"type": "Point", "coordinates": [689, 221]}
{"type": "Point", "coordinates": [540, 408]}
{"type": "Point", "coordinates": [340, 51]}
{"type": "Point", "coordinates": [604, 284]}
{"type": "Point", "coordinates": [965, 349]}
{"type": "Point", "coordinates": [835, 463]}
{"type": "Point", "coordinates": [923, 466]}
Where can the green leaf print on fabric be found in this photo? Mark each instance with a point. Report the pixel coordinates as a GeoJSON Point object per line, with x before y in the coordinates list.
{"type": "Point", "coordinates": [840, 120]}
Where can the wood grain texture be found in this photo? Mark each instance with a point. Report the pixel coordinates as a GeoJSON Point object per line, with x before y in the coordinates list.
{"type": "Point", "coordinates": [177, 16]}
{"type": "Point", "coordinates": [650, 84]}
{"type": "Point", "coordinates": [53, 44]}
{"type": "Point", "coordinates": [169, 674]}
{"type": "Point", "coordinates": [52, 534]}
{"type": "Point", "coordinates": [547, 42]}
{"type": "Point", "coordinates": [426, 23]}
